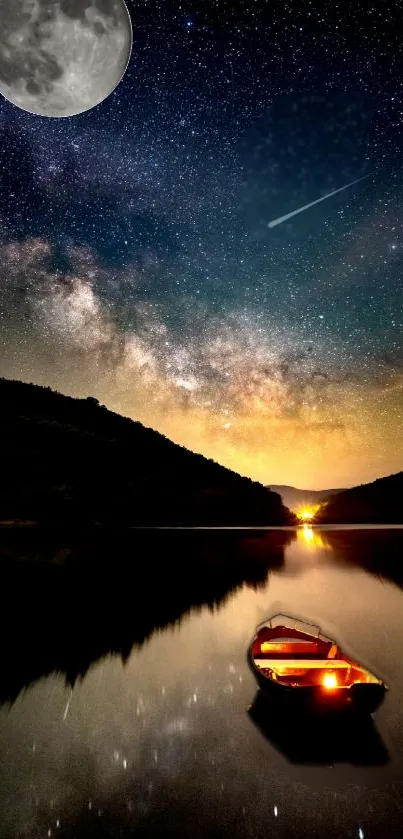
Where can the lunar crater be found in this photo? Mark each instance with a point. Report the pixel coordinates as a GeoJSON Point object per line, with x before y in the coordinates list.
{"type": "Point", "coordinates": [62, 57]}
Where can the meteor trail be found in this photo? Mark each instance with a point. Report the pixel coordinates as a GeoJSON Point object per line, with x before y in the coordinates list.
{"type": "Point", "coordinates": [279, 220]}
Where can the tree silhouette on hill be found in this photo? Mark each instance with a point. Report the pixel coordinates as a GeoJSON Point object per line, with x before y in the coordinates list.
{"type": "Point", "coordinates": [66, 459]}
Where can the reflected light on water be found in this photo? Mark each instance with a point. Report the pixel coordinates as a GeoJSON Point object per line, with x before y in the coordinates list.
{"type": "Point", "coordinates": [171, 714]}
{"type": "Point", "coordinates": [312, 538]}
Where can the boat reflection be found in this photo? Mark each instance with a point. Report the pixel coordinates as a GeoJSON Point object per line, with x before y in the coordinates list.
{"type": "Point", "coordinates": [309, 739]}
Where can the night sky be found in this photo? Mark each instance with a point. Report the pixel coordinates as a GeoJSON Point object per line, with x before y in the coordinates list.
{"type": "Point", "coordinates": [136, 260]}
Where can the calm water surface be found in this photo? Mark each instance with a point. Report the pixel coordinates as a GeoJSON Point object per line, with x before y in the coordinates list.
{"type": "Point", "coordinates": [167, 739]}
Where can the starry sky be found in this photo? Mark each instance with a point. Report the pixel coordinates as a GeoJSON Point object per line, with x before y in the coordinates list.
{"type": "Point", "coordinates": [136, 261]}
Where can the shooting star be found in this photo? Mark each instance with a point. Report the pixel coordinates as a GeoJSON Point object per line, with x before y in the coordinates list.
{"type": "Point", "coordinates": [67, 708]}
{"type": "Point", "coordinates": [280, 220]}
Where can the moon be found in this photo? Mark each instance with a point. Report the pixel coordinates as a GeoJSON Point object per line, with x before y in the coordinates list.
{"type": "Point", "coordinates": [59, 58]}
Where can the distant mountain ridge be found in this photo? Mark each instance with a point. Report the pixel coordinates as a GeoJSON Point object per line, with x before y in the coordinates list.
{"type": "Point", "coordinates": [295, 499]}
{"type": "Point", "coordinates": [66, 460]}
{"type": "Point", "coordinates": [379, 502]}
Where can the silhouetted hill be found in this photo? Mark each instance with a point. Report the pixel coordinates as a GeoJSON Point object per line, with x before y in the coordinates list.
{"type": "Point", "coordinates": [295, 499]}
{"type": "Point", "coordinates": [377, 503]}
{"type": "Point", "coordinates": [72, 460]}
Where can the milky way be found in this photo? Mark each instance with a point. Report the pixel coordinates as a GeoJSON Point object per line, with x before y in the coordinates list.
{"type": "Point", "coordinates": [136, 260]}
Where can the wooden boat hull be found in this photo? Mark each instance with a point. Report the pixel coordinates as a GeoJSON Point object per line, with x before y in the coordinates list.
{"type": "Point", "coordinates": [361, 697]}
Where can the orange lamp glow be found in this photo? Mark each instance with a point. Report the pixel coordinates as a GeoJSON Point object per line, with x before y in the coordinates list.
{"type": "Point", "coordinates": [329, 681]}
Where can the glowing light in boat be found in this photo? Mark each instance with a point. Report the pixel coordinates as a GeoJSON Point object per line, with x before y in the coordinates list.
{"type": "Point", "coordinates": [329, 681]}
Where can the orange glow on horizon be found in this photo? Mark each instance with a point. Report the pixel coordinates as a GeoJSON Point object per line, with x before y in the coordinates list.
{"type": "Point", "coordinates": [220, 385]}
{"type": "Point", "coordinates": [307, 514]}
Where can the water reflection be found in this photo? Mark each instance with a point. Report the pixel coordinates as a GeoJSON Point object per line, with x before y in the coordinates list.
{"type": "Point", "coordinates": [312, 539]}
{"type": "Point", "coordinates": [305, 738]}
{"type": "Point", "coordinates": [163, 746]}
{"type": "Point", "coordinates": [68, 601]}
{"type": "Point", "coordinates": [376, 550]}
{"type": "Point", "coordinates": [379, 551]}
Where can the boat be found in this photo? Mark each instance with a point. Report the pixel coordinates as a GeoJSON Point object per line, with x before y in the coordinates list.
{"type": "Point", "coordinates": [293, 661]}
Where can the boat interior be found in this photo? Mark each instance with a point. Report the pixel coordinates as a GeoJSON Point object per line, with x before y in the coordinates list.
{"type": "Point", "coordinates": [295, 659]}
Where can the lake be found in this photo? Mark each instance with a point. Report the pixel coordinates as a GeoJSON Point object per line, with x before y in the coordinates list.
{"type": "Point", "coordinates": [127, 704]}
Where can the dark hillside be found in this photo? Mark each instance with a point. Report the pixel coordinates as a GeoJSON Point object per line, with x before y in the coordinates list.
{"type": "Point", "coordinates": [72, 460]}
{"type": "Point", "coordinates": [377, 503]}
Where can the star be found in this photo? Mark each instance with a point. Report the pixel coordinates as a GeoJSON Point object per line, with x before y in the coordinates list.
{"type": "Point", "coordinates": [136, 262]}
